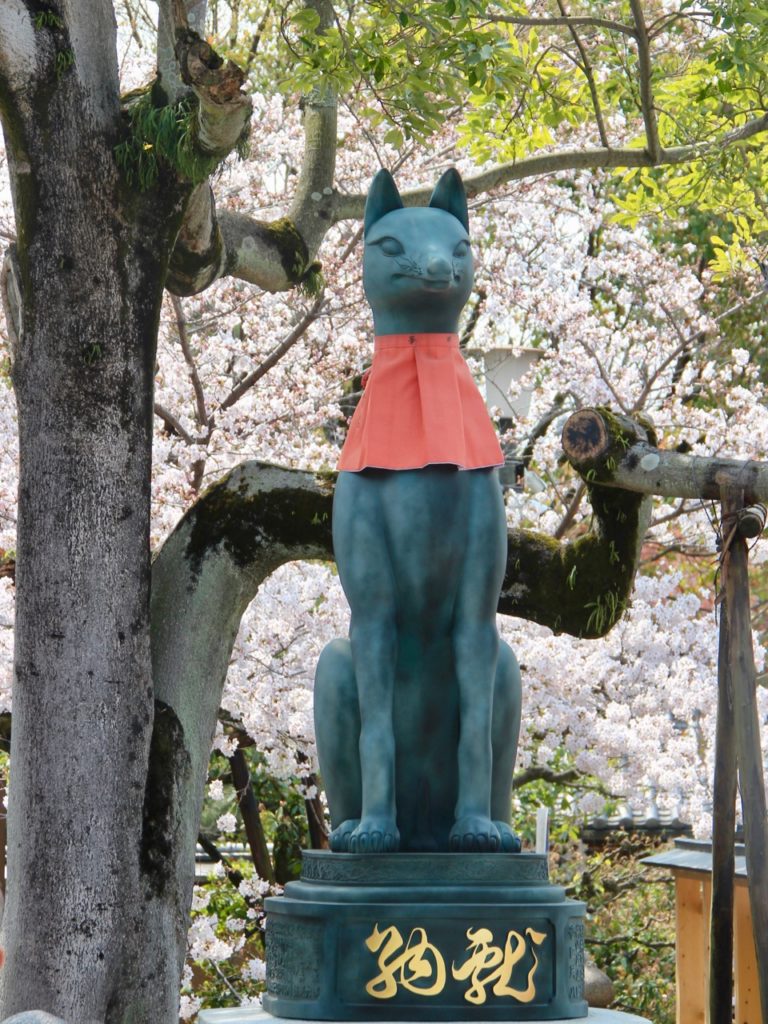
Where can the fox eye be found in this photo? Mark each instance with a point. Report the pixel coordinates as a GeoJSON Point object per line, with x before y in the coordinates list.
{"type": "Point", "coordinates": [391, 247]}
{"type": "Point", "coordinates": [461, 250]}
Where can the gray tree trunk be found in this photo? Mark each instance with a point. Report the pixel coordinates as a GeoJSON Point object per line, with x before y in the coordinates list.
{"type": "Point", "coordinates": [86, 290]}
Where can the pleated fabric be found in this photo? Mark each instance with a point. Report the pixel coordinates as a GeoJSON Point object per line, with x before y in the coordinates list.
{"type": "Point", "coordinates": [420, 407]}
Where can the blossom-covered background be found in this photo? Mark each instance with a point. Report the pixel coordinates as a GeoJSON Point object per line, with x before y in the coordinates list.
{"type": "Point", "coordinates": [624, 314]}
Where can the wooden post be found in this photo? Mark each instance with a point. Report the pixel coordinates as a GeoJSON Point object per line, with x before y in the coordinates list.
{"type": "Point", "coordinates": [747, 994]}
{"type": "Point", "coordinates": [743, 680]}
{"type": "Point", "coordinates": [691, 948]}
{"type": "Point", "coordinates": [723, 829]}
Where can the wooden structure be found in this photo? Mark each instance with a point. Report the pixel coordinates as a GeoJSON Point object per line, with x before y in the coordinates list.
{"type": "Point", "coordinates": [691, 866]}
{"type": "Point", "coordinates": [595, 443]}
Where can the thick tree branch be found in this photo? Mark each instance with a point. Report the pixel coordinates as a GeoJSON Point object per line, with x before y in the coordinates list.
{"type": "Point", "coordinates": [170, 20]}
{"type": "Point", "coordinates": [603, 23]}
{"type": "Point", "coordinates": [224, 109]}
{"type": "Point", "coordinates": [199, 254]}
{"type": "Point", "coordinates": [319, 162]}
{"type": "Point", "coordinates": [351, 207]}
{"type": "Point", "coordinates": [259, 517]}
{"type": "Point", "coordinates": [249, 808]}
{"type": "Point", "coordinates": [589, 441]}
{"type": "Point", "coordinates": [581, 587]}
{"type": "Point", "coordinates": [275, 255]}
{"type": "Point", "coordinates": [203, 578]}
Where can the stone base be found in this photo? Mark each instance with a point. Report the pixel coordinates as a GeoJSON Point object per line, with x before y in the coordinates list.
{"type": "Point", "coordinates": [424, 937]}
{"type": "Point", "coordinates": [256, 1015]}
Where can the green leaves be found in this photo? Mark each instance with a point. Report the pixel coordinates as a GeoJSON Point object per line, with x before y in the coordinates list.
{"type": "Point", "coordinates": [160, 137]}
{"type": "Point", "coordinates": [305, 20]}
{"type": "Point", "coordinates": [515, 79]}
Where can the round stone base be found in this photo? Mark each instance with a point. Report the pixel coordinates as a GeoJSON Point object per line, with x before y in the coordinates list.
{"type": "Point", "coordinates": [256, 1015]}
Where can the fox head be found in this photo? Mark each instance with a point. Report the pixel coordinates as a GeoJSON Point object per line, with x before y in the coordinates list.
{"type": "Point", "coordinates": [417, 262]}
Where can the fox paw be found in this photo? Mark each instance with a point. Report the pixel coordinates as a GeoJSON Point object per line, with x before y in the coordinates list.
{"type": "Point", "coordinates": [375, 835]}
{"type": "Point", "coordinates": [510, 843]}
{"type": "Point", "coordinates": [474, 833]}
{"type": "Point", "coordinates": [340, 836]}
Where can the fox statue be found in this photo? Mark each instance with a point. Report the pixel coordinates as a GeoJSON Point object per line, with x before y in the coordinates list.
{"type": "Point", "coordinates": [417, 713]}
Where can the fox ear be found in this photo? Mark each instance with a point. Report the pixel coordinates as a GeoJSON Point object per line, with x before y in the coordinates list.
{"type": "Point", "coordinates": [449, 195]}
{"type": "Point", "coordinates": [383, 197]}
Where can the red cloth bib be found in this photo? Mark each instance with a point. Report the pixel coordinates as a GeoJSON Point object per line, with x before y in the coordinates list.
{"type": "Point", "coordinates": [420, 407]}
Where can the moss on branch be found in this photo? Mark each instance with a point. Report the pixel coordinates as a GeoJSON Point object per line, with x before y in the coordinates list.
{"type": "Point", "coordinates": [168, 771]}
{"type": "Point", "coordinates": [164, 136]}
{"type": "Point", "coordinates": [580, 587]}
{"type": "Point", "coordinates": [288, 518]}
{"type": "Point", "coordinates": [264, 515]}
{"type": "Point", "coordinates": [583, 587]}
{"type": "Point", "coordinates": [294, 255]}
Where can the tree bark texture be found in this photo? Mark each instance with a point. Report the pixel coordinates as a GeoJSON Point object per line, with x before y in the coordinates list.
{"type": "Point", "coordinates": [590, 442]}
{"type": "Point", "coordinates": [85, 850]}
{"type": "Point", "coordinates": [203, 579]}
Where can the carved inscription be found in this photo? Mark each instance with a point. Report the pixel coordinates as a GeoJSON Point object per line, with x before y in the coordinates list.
{"type": "Point", "coordinates": [294, 954]}
{"type": "Point", "coordinates": [487, 965]}
{"type": "Point", "coordinates": [575, 939]}
{"type": "Point", "coordinates": [418, 966]}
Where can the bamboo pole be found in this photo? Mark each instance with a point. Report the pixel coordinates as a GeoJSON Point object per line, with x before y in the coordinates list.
{"type": "Point", "coordinates": [749, 757]}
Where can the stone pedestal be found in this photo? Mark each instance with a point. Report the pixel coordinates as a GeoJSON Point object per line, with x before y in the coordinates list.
{"type": "Point", "coordinates": [425, 937]}
{"type": "Point", "coordinates": [256, 1015]}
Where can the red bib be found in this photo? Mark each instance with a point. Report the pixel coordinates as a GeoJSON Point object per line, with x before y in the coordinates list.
{"type": "Point", "coordinates": [420, 407]}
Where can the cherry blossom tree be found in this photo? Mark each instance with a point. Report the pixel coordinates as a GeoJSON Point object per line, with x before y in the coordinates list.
{"type": "Point", "coordinates": [117, 684]}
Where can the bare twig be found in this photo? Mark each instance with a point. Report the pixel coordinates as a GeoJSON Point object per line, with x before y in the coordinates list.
{"type": "Point", "coordinates": [586, 67]}
{"type": "Point", "coordinates": [570, 512]}
{"type": "Point", "coordinates": [299, 330]}
{"type": "Point", "coordinates": [686, 342]}
{"type": "Point", "coordinates": [646, 91]}
{"type": "Point", "coordinates": [189, 359]}
{"type": "Point", "coordinates": [173, 424]}
{"type": "Point", "coordinates": [233, 875]}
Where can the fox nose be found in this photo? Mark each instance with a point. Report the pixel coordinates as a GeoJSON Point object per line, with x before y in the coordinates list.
{"type": "Point", "coordinates": [439, 267]}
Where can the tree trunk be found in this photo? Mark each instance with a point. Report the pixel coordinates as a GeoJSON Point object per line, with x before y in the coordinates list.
{"type": "Point", "coordinates": [87, 285]}
{"type": "Point", "coordinates": [203, 579]}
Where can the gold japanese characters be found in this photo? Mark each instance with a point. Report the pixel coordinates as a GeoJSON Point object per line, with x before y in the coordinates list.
{"type": "Point", "coordinates": [419, 967]}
